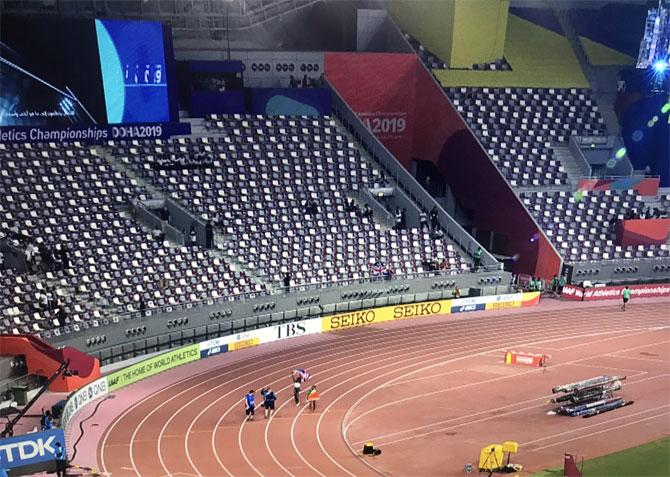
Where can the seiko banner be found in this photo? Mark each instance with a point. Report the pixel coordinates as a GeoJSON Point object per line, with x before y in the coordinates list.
{"type": "Point", "coordinates": [30, 451]}
{"type": "Point", "coordinates": [92, 134]}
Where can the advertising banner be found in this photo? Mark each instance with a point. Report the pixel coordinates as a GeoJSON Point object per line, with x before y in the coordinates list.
{"type": "Point", "coordinates": [92, 134]}
{"type": "Point", "coordinates": [30, 449]}
{"type": "Point", "coordinates": [82, 397]}
{"type": "Point", "coordinates": [429, 308]}
{"type": "Point", "coordinates": [152, 366]}
{"type": "Point", "coordinates": [264, 335]}
{"type": "Point", "coordinates": [386, 313]}
{"type": "Point", "coordinates": [575, 293]}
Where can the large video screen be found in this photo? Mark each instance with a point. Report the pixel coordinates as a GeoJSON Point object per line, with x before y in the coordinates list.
{"type": "Point", "coordinates": [82, 72]}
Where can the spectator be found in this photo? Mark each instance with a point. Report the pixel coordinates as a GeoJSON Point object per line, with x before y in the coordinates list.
{"type": "Point", "coordinates": [64, 258]}
{"type": "Point", "coordinates": [398, 218]}
{"type": "Point", "coordinates": [31, 254]}
{"type": "Point", "coordinates": [478, 257]}
{"type": "Point", "coordinates": [142, 305]}
{"type": "Point", "coordinates": [423, 220]}
{"type": "Point", "coordinates": [351, 206]}
{"type": "Point", "coordinates": [305, 81]}
{"type": "Point", "coordinates": [47, 258]}
{"type": "Point", "coordinates": [434, 221]}
{"type": "Point", "coordinates": [287, 281]}
{"type": "Point", "coordinates": [367, 212]}
{"type": "Point", "coordinates": [457, 292]}
{"type": "Point", "coordinates": [193, 237]}
{"type": "Point", "coordinates": [61, 315]}
{"type": "Point", "coordinates": [209, 235]}
{"type": "Point", "coordinates": [403, 218]}
{"type": "Point", "coordinates": [309, 207]}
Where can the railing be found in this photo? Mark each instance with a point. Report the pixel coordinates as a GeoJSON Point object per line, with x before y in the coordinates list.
{"type": "Point", "coordinates": [380, 212]}
{"type": "Point", "coordinates": [299, 288]}
{"type": "Point", "coordinates": [578, 156]}
{"type": "Point", "coordinates": [404, 179]}
{"type": "Point", "coordinates": [617, 178]}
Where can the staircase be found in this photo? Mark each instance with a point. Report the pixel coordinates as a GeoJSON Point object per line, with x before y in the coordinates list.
{"type": "Point", "coordinates": [220, 240]}
{"type": "Point", "coordinates": [136, 180]}
{"type": "Point", "coordinates": [563, 154]}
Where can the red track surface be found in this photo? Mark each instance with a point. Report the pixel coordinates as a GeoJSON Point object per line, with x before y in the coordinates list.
{"type": "Point", "coordinates": [429, 392]}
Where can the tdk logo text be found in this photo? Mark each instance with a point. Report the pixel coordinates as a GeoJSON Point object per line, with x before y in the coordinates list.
{"type": "Point", "coordinates": [21, 451]}
{"type": "Point", "coordinates": [30, 449]}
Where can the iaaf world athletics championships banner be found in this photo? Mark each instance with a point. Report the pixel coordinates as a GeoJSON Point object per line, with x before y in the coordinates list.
{"type": "Point", "coordinates": [92, 134]}
{"type": "Point", "coordinates": [575, 293]}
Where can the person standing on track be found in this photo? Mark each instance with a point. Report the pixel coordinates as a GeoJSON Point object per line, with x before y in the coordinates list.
{"type": "Point", "coordinates": [269, 402]}
{"type": "Point", "coordinates": [296, 391]}
{"type": "Point", "coordinates": [312, 397]}
{"type": "Point", "coordinates": [626, 296]}
{"type": "Point", "coordinates": [250, 401]}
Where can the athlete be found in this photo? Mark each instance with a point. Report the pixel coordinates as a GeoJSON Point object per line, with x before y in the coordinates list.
{"type": "Point", "coordinates": [626, 296]}
{"type": "Point", "coordinates": [296, 392]}
{"type": "Point", "coordinates": [312, 397]}
{"type": "Point", "coordinates": [269, 399]}
{"type": "Point", "coordinates": [250, 401]}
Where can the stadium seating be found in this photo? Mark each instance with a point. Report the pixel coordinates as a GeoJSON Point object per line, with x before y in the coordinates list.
{"type": "Point", "coordinates": [519, 125]}
{"type": "Point", "coordinates": [582, 225]}
{"type": "Point", "coordinates": [433, 62]}
{"type": "Point", "coordinates": [72, 198]}
{"type": "Point", "coordinates": [264, 169]}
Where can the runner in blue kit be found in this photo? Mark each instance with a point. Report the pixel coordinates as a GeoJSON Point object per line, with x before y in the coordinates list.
{"type": "Point", "coordinates": [250, 402]}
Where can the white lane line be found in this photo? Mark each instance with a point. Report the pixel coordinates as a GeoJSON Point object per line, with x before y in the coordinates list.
{"type": "Point", "coordinates": [244, 454]}
{"type": "Point", "coordinates": [609, 429]}
{"type": "Point", "coordinates": [430, 376]}
{"type": "Point", "coordinates": [462, 386]}
{"type": "Point", "coordinates": [468, 423]}
{"type": "Point", "coordinates": [436, 339]}
{"type": "Point", "coordinates": [120, 418]}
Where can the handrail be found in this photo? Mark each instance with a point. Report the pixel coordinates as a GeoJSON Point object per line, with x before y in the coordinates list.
{"type": "Point", "coordinates": [579, 157]}
{"type": "Point", "coordinates": [403, 178]}
{"type": "Point", "coordinates": [476, 138]}
{"type": "Point", "coordinates": [651, 176]}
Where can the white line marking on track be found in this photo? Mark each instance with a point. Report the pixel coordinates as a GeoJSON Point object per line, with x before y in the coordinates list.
{"type": "Point", "coordinates": [468, 423]}
{"type": "Point", "coordinates": [347, 426]}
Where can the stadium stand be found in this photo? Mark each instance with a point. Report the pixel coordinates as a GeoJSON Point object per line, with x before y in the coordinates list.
{"type": "Point", "coordinates": [582, 226]}
{"type": "Point", "coordinates": [434, 63]}
{"type": "Point", "coordinates": [520, 128]}
{"type": "Point", "coordinates": [255, 190]}
{"type": "Point", "coordinates": [114, 264]}
{"type": "Point", "coordinates": [519, 125]}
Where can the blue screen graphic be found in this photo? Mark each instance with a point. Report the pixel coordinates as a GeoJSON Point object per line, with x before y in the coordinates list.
{"type": "Point", "coordinates": [132, 61]}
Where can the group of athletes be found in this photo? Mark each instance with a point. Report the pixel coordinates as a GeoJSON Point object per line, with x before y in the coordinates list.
{"type": "Point", "coordinates": [269, 397]}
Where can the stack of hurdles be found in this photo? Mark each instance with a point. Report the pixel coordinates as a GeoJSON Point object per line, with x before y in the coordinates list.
{"type": "Point", "coordinates": [589, 398]}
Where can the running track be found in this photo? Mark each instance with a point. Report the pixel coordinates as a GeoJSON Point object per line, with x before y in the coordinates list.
{"type": "Point", "coordinates": [429, 392]}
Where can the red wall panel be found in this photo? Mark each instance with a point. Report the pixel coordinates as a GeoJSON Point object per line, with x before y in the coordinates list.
{"type": "Point", "coordinates": [390, 85]}
{"type": "Point", "coordinates": [379, 87]}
